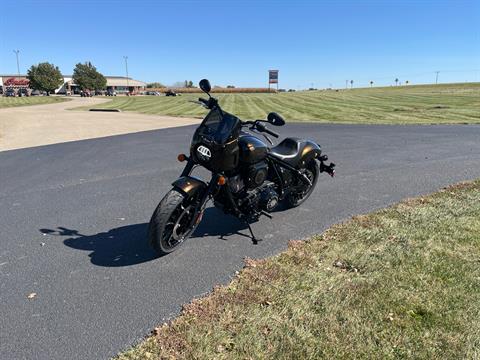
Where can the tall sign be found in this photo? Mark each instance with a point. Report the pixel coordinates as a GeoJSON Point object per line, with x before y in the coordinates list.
{"type": "Point", "coordinates": [272, 77]}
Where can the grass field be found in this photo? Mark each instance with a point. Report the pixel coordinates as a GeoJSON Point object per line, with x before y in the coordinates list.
{"type": "Point", "coordinates": [24, 101]}
{"type": "Point", "coordinates": [449, 103]}
{"type": "Point", "coordinates": [400, 283]}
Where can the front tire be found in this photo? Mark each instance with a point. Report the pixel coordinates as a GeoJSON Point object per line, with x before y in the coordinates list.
{"type": "Point", "coordinates": [171, 222]}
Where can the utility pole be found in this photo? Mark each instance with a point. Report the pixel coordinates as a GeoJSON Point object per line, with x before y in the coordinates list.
{"type": "Point", "coordinates": [436, 77]}
{"type": "Point", "coordinates": [126, 72]}
{"type": "Point", "coordinates": [18, 65]}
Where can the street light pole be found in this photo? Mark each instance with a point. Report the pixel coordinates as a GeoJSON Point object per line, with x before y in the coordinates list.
{"type": "Point", "coordinates": [18, 65]}
{"type": "Point", "coordinates": [126, 71]}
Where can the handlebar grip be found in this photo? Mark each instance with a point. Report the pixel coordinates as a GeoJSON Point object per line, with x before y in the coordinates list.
{"type": "Point", "coordinates": [205, 101]}
{"type": "Point", "coordinates": [273, 133]}
{"type": "Point", "coordinates": [263, 128]}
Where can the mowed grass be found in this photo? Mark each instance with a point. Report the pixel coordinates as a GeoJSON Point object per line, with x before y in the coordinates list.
{"type": "Point", "coordinates": [439, 104]}
{"type": "Point", "coordinates": [400, 283]}
{"type": "Point", "coordinates": [31, 100]}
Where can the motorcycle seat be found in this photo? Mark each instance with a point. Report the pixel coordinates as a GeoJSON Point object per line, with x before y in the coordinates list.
{"type": "Point", "coordinates": [289, 150]}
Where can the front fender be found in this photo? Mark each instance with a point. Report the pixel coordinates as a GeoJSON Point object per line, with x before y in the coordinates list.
{"type": "Point", "coordinates": [189, 185]}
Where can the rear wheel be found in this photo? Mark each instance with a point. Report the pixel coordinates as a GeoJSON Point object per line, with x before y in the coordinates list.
{"type": "Point", "coordinates": [172, 222]}
{"type": "Point", "coordinates": [304, 190]}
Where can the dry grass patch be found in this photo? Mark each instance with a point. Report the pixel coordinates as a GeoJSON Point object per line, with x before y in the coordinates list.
{"type": "Point", "coordinates": [403, 282]}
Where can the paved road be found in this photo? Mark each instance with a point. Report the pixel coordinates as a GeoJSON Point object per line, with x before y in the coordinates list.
{"type": "Point", "coordinates": [99, 288]}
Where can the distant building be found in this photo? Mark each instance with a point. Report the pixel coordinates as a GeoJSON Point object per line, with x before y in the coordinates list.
{"type": "Point", "coordinates": [120, 84]}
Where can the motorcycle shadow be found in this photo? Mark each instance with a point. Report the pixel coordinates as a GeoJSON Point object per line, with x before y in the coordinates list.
{"type": "Point", "coordinates": [121, 246]}
{"type": "Point", "coordinates": [216, 223]}
{"type": "Point", "coordinates": [128, 245]}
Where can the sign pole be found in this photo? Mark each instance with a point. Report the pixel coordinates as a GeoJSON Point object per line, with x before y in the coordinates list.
{"type": "Point", "coordinates": [18, 64]}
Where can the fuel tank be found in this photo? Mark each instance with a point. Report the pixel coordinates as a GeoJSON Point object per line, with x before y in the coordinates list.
{"type": "Point", "coordinates": [252, 149]}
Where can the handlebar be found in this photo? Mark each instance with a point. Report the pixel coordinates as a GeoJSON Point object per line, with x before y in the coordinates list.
{"type": "Point", "coordinates": [209, 103]}
{"type": "Point", "coordinates": [262, 128]}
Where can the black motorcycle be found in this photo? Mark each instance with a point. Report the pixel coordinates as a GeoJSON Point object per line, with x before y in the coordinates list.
{"type": "Point", "coordinates": [249, 178]}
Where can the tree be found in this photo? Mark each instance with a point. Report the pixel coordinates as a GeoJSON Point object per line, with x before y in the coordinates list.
{"type": "Point", "coordinates": [406, 82]}
{"type": "Point", "coordinates": [178, 84]}
{"type": "Point", "coordinates": [351, 84]}
{"type": "Point", "coordinates": [87, 77]}
{"type": "Point", "coordinates": [188, 84]}
{"type": "Point", "coordinates": [371, 83]}
{"type": "Point", "coordinates": [45, 77]}
{"type": "Point", "coordinates": [155, 85]}
{"type": "Point", "coordinates": [396, 81]}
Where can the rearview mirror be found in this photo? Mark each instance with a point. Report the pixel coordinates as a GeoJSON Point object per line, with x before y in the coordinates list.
{"type": "Point", "coordinates": [205, 85]}
{"type": "Point", "coordinates": [275, 119]}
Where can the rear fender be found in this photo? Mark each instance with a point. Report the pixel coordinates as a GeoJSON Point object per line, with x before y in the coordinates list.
{"type": "Point", "coordinates": [310, 151]}
{"type": "Point", "coordinates": [189, 185]}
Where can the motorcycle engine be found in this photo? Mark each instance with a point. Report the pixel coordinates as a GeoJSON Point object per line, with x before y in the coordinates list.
{"type": "Point", "coordinates": [256, 174]}
{"type": "Point", "coordinates": [250, 177]}
{"type": "Point", "coordinates": [261, 198]}
{"type": "Point", "coordinates": [253, 192]}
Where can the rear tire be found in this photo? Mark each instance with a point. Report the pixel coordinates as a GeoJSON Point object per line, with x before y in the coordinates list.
{"type": "Point", "coordinates": [169, 225]}
{"type": "Point", "coordinates": [297, 198]}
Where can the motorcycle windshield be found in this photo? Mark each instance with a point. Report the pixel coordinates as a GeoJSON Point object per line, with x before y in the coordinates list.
{"type": "Point", "coordinates": [221, 126]}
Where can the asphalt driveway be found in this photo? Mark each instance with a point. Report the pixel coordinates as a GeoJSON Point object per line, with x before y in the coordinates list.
{"type": "Point", "coordinates": [73, 219]}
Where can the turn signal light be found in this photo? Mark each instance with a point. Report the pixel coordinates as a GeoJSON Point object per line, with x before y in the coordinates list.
{"type": "Point", "coordinates": [181, 157]}
{"type": "Point", "coordinates": [221, 180]}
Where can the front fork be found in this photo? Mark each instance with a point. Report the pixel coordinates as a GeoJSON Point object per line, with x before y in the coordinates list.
{"type": "Point", "coordinates": [203, 197]}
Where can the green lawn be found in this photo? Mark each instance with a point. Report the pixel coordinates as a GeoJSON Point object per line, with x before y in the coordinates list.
{"type": "Point", "coordinates": [449, 103]}
{"type": "Point", "coordinates": [24, 101]}
{"type": "Point", "coordinates": [400, 283]}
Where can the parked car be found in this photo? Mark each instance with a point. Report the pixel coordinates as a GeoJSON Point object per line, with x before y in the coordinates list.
{"type": "Point", "coordinates": [85, 93]}
{"type": "Point", "coordinates": [99, 92]}
{"type": "Point", "coordinates": [23, 92]}
{"type": "Point", "coordinates": [170, 93]}
{"type": "Point", "coordinates": [154, 93]}
{"type": "Point", "coordinates": [111, 93]}
{"type": "Point", "coordinates": [10, 93]}
{"type": "Point", "coordinates": [37, 93]}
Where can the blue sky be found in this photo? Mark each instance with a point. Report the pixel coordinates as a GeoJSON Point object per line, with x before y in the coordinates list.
{"type": "Point", "coordinates": [322, 43]}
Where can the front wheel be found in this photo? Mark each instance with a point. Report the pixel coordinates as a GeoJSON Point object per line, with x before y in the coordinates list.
{"type": "Point", "coordinates": [172, 222]}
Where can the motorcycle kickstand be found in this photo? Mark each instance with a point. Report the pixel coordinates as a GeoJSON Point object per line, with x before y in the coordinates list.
{"type": "Point", "coordinates": [254, 239]}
